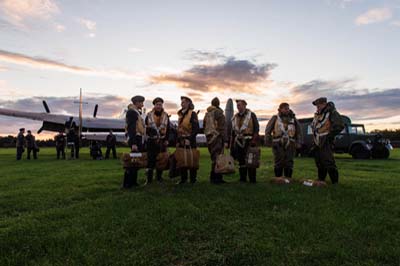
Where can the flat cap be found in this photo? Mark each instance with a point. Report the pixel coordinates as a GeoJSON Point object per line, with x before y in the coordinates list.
{"type": "Point", "coordinates": [158, 99]}
{"type": "Point", "coordinates": [21, 129]}
{"type": "Point", "coordinates": [137, 99]}
{"type": "Point", "coordinates": [283, 105]}
{"type": "Point", "coordinates": [186, 98]}
{"type": "Point", "coordinates": [320, 100]}
{"type": "Point", "coordinates": [241, 100]}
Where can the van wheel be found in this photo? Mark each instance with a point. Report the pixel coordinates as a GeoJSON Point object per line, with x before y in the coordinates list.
{"type": "Point", "coordinates": [359, 152]}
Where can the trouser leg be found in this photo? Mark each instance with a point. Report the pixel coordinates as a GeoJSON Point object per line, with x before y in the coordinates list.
{"type": "Point", "coordinates": [107, 153]}
{"type": "Point", "coordinates": [159, 175]}
{"type": "Point", "coordinates": [28, 155]}
{"type": "Point", "coordinates": [184, 175]}
{"type": "Point", "coordinates": [114, 152]}
{"type": "Point", "coordinates": [193, 175]}
{"type": "Point", "coordinates": [149, 176]}
{"type": "Point", "coordinates": [252, 174]}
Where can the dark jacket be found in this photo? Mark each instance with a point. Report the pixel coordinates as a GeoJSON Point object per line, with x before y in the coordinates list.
{"type": "Point", "coordinates": [20, 140]}
{"type": "Point", "coordinates": [131, 119]}
{"type": "Point", "coordinates": [30, 141]}
{"type": "Point", "coordinates": [111, 140]}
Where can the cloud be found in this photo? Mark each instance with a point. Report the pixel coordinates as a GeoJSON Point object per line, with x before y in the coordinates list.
{"type": "Point", "coordinates": [44, 63]}
{"type": "Point", "coordinates": [395, 23]}
{"type": "Point", "coordinates": [19, 12]}
{"type": "Point", "coordinates": [3, 68]}
{"type": "Point", "coordinates": [87, 23]}
{"type": "Point", "coordinates": [91, 35]}
{"type": "Point", "coordinates": [225, 74]}
{"type": "Point", "coordinates": [358, 104]}
{"type": "Point", "coordinates": [374, 15]}
{"type": "Point", "coordinates": [135, 50]}
{"type": "Point", "coordinates": [59, 28]}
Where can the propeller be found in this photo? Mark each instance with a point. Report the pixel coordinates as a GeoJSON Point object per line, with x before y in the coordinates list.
{"type": "Point", "coordinates": [46, 107]}
{"type": "Point", "coordinates": [95, 110]}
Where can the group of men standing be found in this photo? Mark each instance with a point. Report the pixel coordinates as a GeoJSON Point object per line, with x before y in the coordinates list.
{"type": "Point", "coordinates": [27, 141]}
{"type": "Point", "coordinates": [283, 131]}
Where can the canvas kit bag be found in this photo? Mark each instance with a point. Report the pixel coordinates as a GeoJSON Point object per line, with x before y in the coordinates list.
{"type": "Point", "coordinates": [134, 159]}
{"type": "Point", "coordinates": [162, 161]}
{"type": "Point", "coordinates": [281, 180]}
{"type": "Point", "coordinates": [314, 183]}
{"type": "Point", "coordinates": [224, 164]}
{"type": "Point", "coordinates": [187, 158]}
{"type": "Point", "coordinates": [253, 157]}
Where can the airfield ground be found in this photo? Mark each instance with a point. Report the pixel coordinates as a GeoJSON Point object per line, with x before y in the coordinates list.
{"type": "Point", "coordinates": [73, 213]}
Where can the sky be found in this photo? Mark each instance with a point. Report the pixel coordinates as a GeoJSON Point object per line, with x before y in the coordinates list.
{"type": "Point", "coordinates": [266, 52]}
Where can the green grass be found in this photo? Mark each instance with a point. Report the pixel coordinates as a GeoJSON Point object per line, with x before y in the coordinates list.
{"type": "Point", "coordinates": [73, 213]}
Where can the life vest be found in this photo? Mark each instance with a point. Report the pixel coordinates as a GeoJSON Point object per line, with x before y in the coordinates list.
{"type": "Point", "coordinates": [284, 131]}
{"type": "Point", "coordinates": [321, 126]}
{"type": "Point", "coordinates": [158, 123]}
{"type": "Point", "coordinates": [184, 125]}
{"type": "Point", "coordinates": [243, 128]}
{"type": "Point", "coordinates": [243, 125]}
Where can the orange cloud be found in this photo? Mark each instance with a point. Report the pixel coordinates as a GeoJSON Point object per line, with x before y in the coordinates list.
{"type": "Point", "coordinates": [228, 73]}
{"type": "Point", "coordinates": [40, 62]}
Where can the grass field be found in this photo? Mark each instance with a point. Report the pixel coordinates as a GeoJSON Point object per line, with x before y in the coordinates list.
{"type": "Point", "coordinates": [73, 213]}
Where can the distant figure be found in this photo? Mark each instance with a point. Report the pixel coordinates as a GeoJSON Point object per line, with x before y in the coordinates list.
{"type": "Point", "coordinates": [20, 143]}
{"type": "Point", "coordinates": [111, 141]}
{"type": "Point", "coordinates": [31, 145]}
{"type": "Point", "coordinates": [71, 142]}
{"type": "Point", "coordinates": [95, 151]}
{"type": "Point", "coordinates": [61, 141]}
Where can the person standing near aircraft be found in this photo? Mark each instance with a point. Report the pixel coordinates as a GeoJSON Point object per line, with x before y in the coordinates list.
{"type": "Point", "coordinates": [327, 124]}
{"type": "Point", "coordinates": [135, 129]}
{"type": "Point", "coordinates": [60, 144]}
{"type": "Point", "coordinates": [31, 145]}
{"type": "Point", "coordinates": [71, 139]}
{"type": "Point", "coordinates": [188, 128]}
{"type": "Point", "coordinates": [245, 129]}
{"type": "Point", "coordinates": [285, 132]}
{"type": "Point", "coordinates": [20, 143]}
{"type": "Point", "coordinates": [215, 131]}
{"type": "Point", "coordinates": [157, 129]}
{"type": "Point", "coordinates": [111, 142]}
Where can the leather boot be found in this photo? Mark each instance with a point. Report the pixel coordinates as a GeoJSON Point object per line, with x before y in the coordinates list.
{"type": "Point", "coordinates": [322, 174]}
{"type": "Point", "coordinates": [243, 174]}
{"type": "Point", "coordinates": [149, 177]}
{"type": "Point", "coordinates": [159, 176]}
{"type": "Point", "coordinates": [334, 175]}
{"type": "Point", "coordinates": [278, 172]}
{"type": "Point", "coordinates": [288, 172]}
{"type": "Point", "coordinates": [193, 176]}
{"type": "Point", "coordinates": [252, 175]}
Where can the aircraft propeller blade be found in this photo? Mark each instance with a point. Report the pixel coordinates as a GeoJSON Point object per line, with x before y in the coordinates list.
{"type": "Point", "coordinates": [46, 107]}
{"type": "Point", "coordinates": [95, 110]}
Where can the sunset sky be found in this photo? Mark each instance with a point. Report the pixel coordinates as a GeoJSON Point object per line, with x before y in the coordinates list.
{"type": "Point", "coordinates": [264, 51]}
